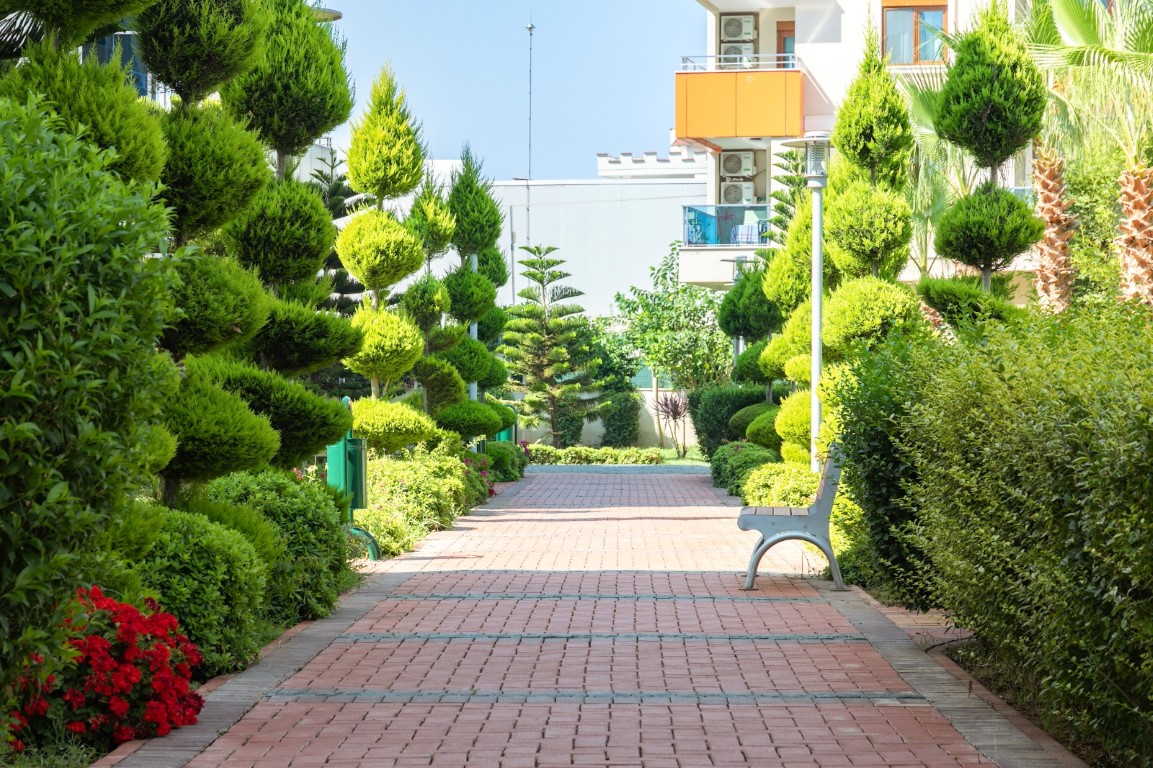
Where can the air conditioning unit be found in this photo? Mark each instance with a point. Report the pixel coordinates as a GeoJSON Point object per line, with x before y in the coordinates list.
{"type": "Point", "coordinates": [738, 164]}
{"type": "Point", "coordinates": [737, 193]}
{"type": "Point", "coordinates": [737, 28]}
{"type": "Point", "coordinates": [737, 56]}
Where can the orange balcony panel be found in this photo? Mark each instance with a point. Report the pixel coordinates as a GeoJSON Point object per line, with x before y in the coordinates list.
{"type": "Point", "coordinates": [740, 103]}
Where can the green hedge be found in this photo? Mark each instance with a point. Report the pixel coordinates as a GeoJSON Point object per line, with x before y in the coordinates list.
{"type": "Point", "coordinates": [740, 421]}
{"type": "Point", "coordinates": [508, 460]}
{"type": "Point", "coordinates": [428, 488]}
{"type": "Point", "coordinates": [212, 580]}
{"type": "Point", "coordinates": [732, 462]}
{"type": "Point", "coordinates": [579, 454]}
{"type": "Point", "coordinates": [621, 418]}
{"type": "Point", "coordinates": [712, 407]}
{"type": "Point", "coordinates": [1031, 450]}
{"type": "Point", "coordinates": [306, 514]}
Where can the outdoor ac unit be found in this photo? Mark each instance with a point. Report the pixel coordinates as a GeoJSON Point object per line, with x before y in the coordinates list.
{"type": "Point", "coordinates": [738, 55]}
{"type": "Point", "coordinates": [737, 193]}
{"type": "Point", "coordinates": [737, 28]}
{"type": "Point", "coordinates": [738, 164]}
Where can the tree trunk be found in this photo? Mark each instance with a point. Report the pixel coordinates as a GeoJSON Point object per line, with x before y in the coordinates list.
{"type": "Point", "coordinates": [987, 279]}
{"type": "Point", "coordinates": [281, 165]}
{"type": "Point", "coordinates": [1135, 243]}
{"type": "Point", "coordinates": [169, 492]}
{"type": "Point", "coordinates": [1054, 269]}
{"type": "Point", "coordinates": [375, 382]}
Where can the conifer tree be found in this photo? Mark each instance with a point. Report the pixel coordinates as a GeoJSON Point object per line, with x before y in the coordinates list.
{"type": "Point", "coordinates": [541, 341]}
{"type": "Point", "coordinates": [478, 217]}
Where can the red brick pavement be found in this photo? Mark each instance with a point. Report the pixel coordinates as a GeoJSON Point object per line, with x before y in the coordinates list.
{"type": "Point", "coordinates": [597, 620]}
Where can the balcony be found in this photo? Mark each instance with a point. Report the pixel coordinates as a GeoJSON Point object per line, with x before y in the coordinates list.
{"type": "Point", "coordinates": [716, 237]}
{"type": "Point", "coordinates": [724, 101]}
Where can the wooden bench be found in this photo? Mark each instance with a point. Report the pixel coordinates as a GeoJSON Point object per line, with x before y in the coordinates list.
{"type": "Point", "coordinates": [811, 524]}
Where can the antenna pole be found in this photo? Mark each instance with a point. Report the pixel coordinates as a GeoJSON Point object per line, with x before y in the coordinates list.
{"type": "Point", "coordinates": [528, 179]}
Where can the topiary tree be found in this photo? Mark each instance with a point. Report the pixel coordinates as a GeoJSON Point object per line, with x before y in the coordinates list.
{"type": "Point", "coordinates": [471, 294]}
{"type": "Point", "coordinates": [97, 100]}
{"type": "Point", "coordinates": [865, 311]}
{"type": "Point", "coordinates": [746, 311]}
{"type": "Point", "coordinates": [388, 427]}
{"type": "Point", "coordinates": [469, 419]}
{"type": "Point", "coordinates": [174, 36]}
{"type": "Point", "coordinates": [787, 279]}
{"type": "Point", "coordinates": [431, 220]}
{"type": "Point", "coordinates": [478, 217]}
{"type": "Point", "coordinates": [991, 105]}
{"type": "Point", "coordinates": [80, 311]}
{"type": "Point", "coordinates": [471, 359]}
{"type": "Point", "coordinates": [392, 345]}
{"type": "Point", "coordinates": [298, 339]}
{"type": "Point", "coordinates": [872, 129]}
{"type": "Point", "coordinates": [66, 23]}
{"type": "Point", "coordinates": [299, 90]}
{"type": "Point", "coordinates": [541, 340]}
{"type": "Point", "coordinates": [222, 303]}
{"type": "Point", "coordinates": [386, 156]}
{"type": "Point", "coordinates": [872, 226]}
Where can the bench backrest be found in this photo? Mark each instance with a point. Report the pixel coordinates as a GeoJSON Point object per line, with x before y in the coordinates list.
{"type": "Point", "coordinates": [827, 489]}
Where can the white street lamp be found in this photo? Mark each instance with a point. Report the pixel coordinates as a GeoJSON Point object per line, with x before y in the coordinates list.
{"type": "Point", "coordinates": [816, 147]}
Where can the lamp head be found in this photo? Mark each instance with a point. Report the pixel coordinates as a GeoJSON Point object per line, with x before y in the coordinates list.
{"type": "Point", "coordinates": [816, 146]}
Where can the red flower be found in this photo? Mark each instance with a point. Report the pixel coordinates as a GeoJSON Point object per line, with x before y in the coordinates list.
{"type": "Point", "coordinates": [74, 697]}
{"type": "Point", "coordinates": [78, 726]}
{"type": "Point", "coordinates": [123, 733]}
{"type": "Point", "coordinates": [17, 745]}
{"type": "Point", "coordinates": [118, 706]}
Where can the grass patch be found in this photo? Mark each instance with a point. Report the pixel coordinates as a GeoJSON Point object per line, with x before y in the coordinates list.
{"type": "Point", "coordinates": [693, 458]}
{"type": "Point", "coordinates": [62, 753]}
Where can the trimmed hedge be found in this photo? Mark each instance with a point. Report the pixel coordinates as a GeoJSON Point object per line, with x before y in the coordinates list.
{"type": "Point", "coordinates": [712, 407]}
{"type": "Point", "coordinates": [732, 462]}
{"type": "Point", "coordinates": [508, 460]}
{"type": "Point", "coordinates": [579, 454]}
{"type": "Point", "coordinates": [740, 421]}
{"type": "Point", "coordinates": [763, 429]}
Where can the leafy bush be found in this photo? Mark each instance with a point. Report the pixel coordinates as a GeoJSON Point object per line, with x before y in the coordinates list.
{"type": "Point", "coordinates": [388, 427]}
{"type": "Point", "coordinates": [780, 485]}
{"type": "Point", "coordinates": [546, 454]}
{"type": "Point", "coordinates": [962, 301]}
{"type": "Point", "coordinates": [285, 234]}
{"type": "Point", "coordinates": [795, 453]}
{"type": "Point", "coordinates": [621, 418]}
{"type": "Point", "coordinates": [492, 264]}
{"type": "Point", "coordinates": [477, 477]}
{"type": "Point", "coordinates": [377, 250]}
{"type": "Point", "coordinates": [794, 339]}
{"type": "Point", "coordinates": [221, 303]}
{"type": "Point", "coordinates": [471, 293]}
{"type": "Point", "coordinates": [866, 310]}
{"type": "Point", "coordinates": [987, 229]}
{"type": "Point", "coordinates": [506, 460]}
{"type": "Point", "coordinates": [740, 421]}
{"type": "Point", "coordinates": [490, 327]}
{"type": "Point", "coordinates": [469, 419]}
{"type": "Point", "coordinates": [212, 580]}
{"type": "Point", "coordinates": [80, 311]}
{"type": "Point", "coordinates": [742, 459]}
{"type": "Point", "coordinates": [763, 429]}
{"type": "Point", "coordinates": [428, 489]}
{"type": "Point", "coordinates": [96, 99]}
{"type": "Point", "coordinates": [714, 406]}
{"type": "Point", "coordinates": [214, 169]}
{"type": "Point", "coordinates": [747, 369]}
{"type": "Point", "coordinates": [746, 311]}
{"type": "Point", "coordinates": [792, 422]}
{"type": "Point", "coordinates": [471, 359]}
{"type": "Point", "coordinates": [298, 339]}
{"type": "Point", "coordinates": [130, 679]}
{"type": "Point", "coordinates": [313, 530]}
{"type": "Point", "coordinates": [542, 454]}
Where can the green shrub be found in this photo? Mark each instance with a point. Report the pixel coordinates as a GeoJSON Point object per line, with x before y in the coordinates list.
{"type": "Point", "coordinates": [543, 454]}
{"type": "Point", "coordinates": [477, 468]}
{"type": "Point", "coordinates": [988, 229]}
{"type": "Point", "coordinates": [298, 340]}
{"type": "Point", "coordinates": [220, 302]}
{"type": "Point", "coordinates": [313, 530]}
{"type": "Point", "coordinates": [866, 310]}
{"type": "Point", "coordinates": [469, 419]}
{"type": "Point", "coordinates": [742, 462]}
{"type": "Point", "coordinates": [872, 227]}
{"type": "Point", "coordinates": [377, 250]}
{"type": "Point", "coordinates": [490, 327]}
{"type": "Point", "coordinates": [745, 310]}
{"type": "Point", "coordinates": [214, 169]}
{"type": "Point", "coordinates": [194, 47]}
{"type": "Point", "coordinates": [621, 419]}
{"type": "Point", "coordinates": [714, 407]}
{"type": "Point", "coordinates": [285, 234]}
{"type": "Point", "coordinates": [492, 264]}
{"type": "Point", "coordinates": [393, 531]}
{"type": "Point", "coordinates": [471, 359]}
{"type": "Point", "coordinates": [428, 488]}
{"type": "Point", "coordinates": [98, 99]}
{"type": "Point", "coordinates": [496, 376]}
{"type": "Point", "coordinates": [81, 308]}
{"type": "Point", "coordinates": [471, 293]}
{"type": "Point", "coordinates": [388, 427]}
{"type": "Point", "coordinates": [425, 301]}
{"type": "Point", "coordinates": [748, 368]}
{"type": "Point", "coordinates": [306, 422]}
{"type": "Point", "coordinates": [763, 429]}
{"type": "Point", "coordinates": [392, 345]}
{"type": "Point", "coordinates": [579, 454]}
{"type": "Point", "coordinates": [118, 550]}
{"type": "Point", "coordinates": [506, 414]}
{"type": "Point", "coordinates": [792, 422]}
{"type": "Point", "coordinates": [212, 580]}
{"type": "Point", "coordinates": [740, 421]}
{"type": "Point", "coordinates": [788, 278]}
{"type": "Point", "coordinates": [506, 466]}
{"type": "Point", "coordinates": [794, 339]}
{"type": "Point", "coordinates": [478, 217]}
{"type": "Point", "coordinates": [442, 385]}
{"type": "Point", "coordinates": [795, 453]}
{"type": "Point", "coordinates": [799, 369]}
{"type": "Point", "coordinates": [780, 485]}
{"type": "Point", "coordinates": [962, 301]}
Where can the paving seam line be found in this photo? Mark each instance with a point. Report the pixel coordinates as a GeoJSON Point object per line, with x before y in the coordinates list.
{"type": "Point", "coordinates": [626, 637]}
{"type": "Point", "coordinates": [892, 698]}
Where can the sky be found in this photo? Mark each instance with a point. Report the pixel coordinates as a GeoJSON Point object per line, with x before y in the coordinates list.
{"type": "Point", "coordinates": [602, 75]}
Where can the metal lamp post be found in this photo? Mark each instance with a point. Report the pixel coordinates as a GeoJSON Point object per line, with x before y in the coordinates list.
{"type": "Point", "coordinates": [816, 147]}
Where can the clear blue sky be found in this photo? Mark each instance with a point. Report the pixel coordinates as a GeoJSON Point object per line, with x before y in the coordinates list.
{"type": "Point", "coordinates": [602, 75]}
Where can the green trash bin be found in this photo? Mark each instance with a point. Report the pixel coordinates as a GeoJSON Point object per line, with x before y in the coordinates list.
{"type": "Point", "coordinates": [348, 471]}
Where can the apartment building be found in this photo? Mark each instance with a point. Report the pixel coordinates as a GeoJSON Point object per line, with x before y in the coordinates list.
{"type": "Point", "coordinates": [774, 70]}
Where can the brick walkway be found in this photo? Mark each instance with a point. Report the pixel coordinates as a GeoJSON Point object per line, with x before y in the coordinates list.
{"type": "Point", "coordinates": [597, 620]}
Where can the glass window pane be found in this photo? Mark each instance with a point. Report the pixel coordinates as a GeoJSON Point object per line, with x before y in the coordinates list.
{"type": "Point", "coordinates": [929, 44]}
{"type": "Point", "coordinates": [899, 35]}
{"type": "Point", "coordinates": [788, 45]}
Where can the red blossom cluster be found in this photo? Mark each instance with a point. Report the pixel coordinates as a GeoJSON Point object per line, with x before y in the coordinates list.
{"type": "Point", "coordinates": [129, 680]}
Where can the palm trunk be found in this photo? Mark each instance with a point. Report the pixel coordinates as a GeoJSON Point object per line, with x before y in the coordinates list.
{"type": "Point", "coordinates": [1054, 268]}
{"type": "Point", "coordinates": [1135, 242]}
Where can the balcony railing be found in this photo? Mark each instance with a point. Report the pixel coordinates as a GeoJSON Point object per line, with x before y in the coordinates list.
{"type": "Point", "coordinates": [728, 225]}
{"type": "Point", "coordinates": [730, 61]}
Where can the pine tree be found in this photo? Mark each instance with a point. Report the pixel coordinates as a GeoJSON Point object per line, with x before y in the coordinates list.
{"type": "Point", "coordinates": [542, 339]}
{"type": "Point", "coordinates": [788, 191]}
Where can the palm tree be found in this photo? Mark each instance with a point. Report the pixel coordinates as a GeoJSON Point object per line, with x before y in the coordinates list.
{"type": "Point", "coordinates": [1100, 63]}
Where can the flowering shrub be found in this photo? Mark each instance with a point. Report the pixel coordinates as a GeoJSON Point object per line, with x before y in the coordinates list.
{"type": "Point", "coordinates": [478, 469]}
{"type": "Point", "coordinates": [129, 680]}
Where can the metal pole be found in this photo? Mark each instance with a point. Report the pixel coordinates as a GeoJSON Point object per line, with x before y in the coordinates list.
{"type": "Point", "coordinates": [472, 330]}
{"type": "Point", "coordinates": [815, 372]}
{"type": "Point", "coordinates": [512, 254]}
{"type": "Point", "coordinates": [528, 180]}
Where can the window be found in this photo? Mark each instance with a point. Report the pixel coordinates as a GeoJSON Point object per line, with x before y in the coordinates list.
{"type": "Point", "coordinates": [911, 34]}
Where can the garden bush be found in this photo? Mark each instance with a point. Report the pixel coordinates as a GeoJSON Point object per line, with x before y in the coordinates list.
{"type": "Point", "coordinates": [579, 454]}
{"type": "Point", "coordinates": [542, 454]}
{"type": "Point", "coordinates": [742, 462]}
{"type": "Point", "coordinates": [506, 460]}
{"type": "Point", "coordinates": [712, 407]}
{"type": "Point", "coordinates": [866, 310]}
{"type": "Point", "coordinates": [506, 414]}
{"type": "Point", "coordinates": [747, 369]}
{"type": "Point", "coordinates": [221, 303]}
{"type": "Point", "coordinates": [469, 419]}
{"type": "Point", "coordinates": [314, 534]}
{"type": "Point", "coordinates": [428, 488]}
{"type": "Point", "coordinates": [740, 421]}
{"type": "Point", "coordinates": [477, 478]}
{"type": "Point", "coordinates": [471, 359]}
{"type": "Point", "coordinates": [388, 427]}
{"type": "Point", "coordinates": [471, 295]}
{"type": "Point", "coordinates": [80, 311]}
{"type": "Point", "coordinates": [960, 301]}
{"type": "Point", "coordinates": [212, 580]}
{"type": "Point", "coordinates": [794, 453]}
{"type": "Point", "coordinates": [783, 485]}
{"type": "Point", "coordinates": [763, 429]}
{"type": "Point", "coordinates": [298, 339]}
{"type": "Point", "coordinates": [621, 419]}
{"type": "Point", "coordinates": [792, 422]}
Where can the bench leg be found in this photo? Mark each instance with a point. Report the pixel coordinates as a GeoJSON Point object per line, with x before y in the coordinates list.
{"type": "Point", "coordinates": [754, 561]}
